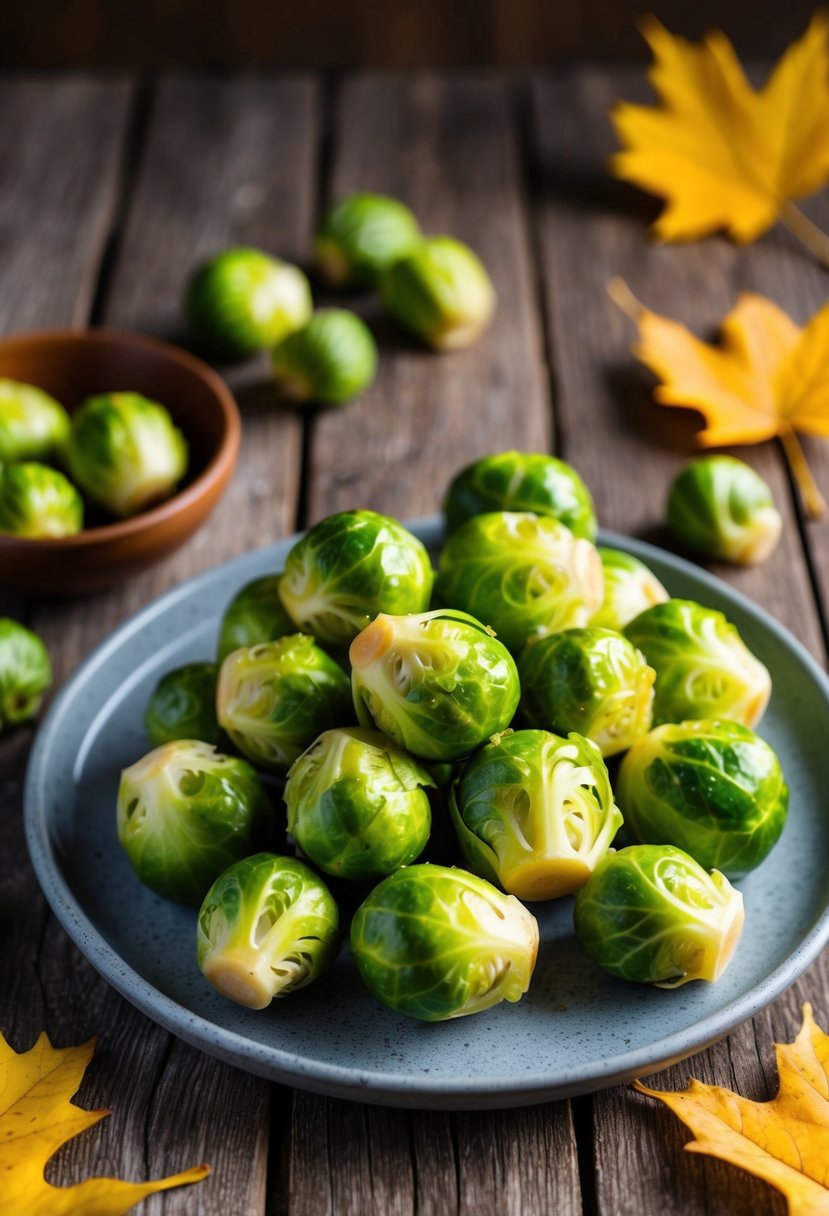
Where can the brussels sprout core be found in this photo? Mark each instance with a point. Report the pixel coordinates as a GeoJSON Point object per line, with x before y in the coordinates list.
{"type": "Point", "coordinates": [37, 502]}
{"type": "Point", "coordinates": [25, 673]}
{"type": "Point", "coordinates": [719, 507]}
{"type": "Point", "coordinates": [33, 426]}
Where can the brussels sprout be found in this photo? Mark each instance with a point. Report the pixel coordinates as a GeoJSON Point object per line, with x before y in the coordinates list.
{"type": "Point", "coordinates": [33, 426]}
{"type": "Point", "coordinates": [522, 574]}
{"type": "Point", "coordinates": [254, 615]}
{"type": "Point", "coordinates": [714, 789]}
{"type": "Point", "coordinates": [267, 926]}
{"type": "Point", "coordinates": [125, 452]}
{"type": "Point", "coordinates": [363, 236]}
{"type": "Point", "coordinates": [703, 667]}
{"type": "Point", "coordinates": [521, 481]}
{"type": "Point", "coordinates": [719, 507]}
{"type": "Point", "coordinates": [25, 673]}
{"type": "Point", "coordinates": [437, 943]}
{"type": "Point", "coordinates": [651, 913]}
{"type": "Point", "coordinates": [588, 680]}
{"type": "Point", "coordinates": [333, 358]}
{"type": "Point", "coordinates": [438, 683]}
{"type": "Point", "coordinates": [629, 588]}
{"type": "Point", "coordinates": [243, 301]}
{"type": "Point", "coordinates": [357, 806]}
{"type": "Point", "coordinates": [185, 812]}
{"type": "Point", "coordinates": [275, 698]}
{"type": "Point", "coordinates": [183, 705]}
{"type": "Point", "coordinates": [38, 502]}
{"type": "Point", "coordinates": [348, 568]}
{"type": "Point", "coordinates": [441, 292]}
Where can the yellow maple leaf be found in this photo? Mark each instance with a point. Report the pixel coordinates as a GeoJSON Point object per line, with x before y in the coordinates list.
{"type": "Point", "coordinates": [784, 1141]}
{"type": "Point", "coordinates": [36, 1118]}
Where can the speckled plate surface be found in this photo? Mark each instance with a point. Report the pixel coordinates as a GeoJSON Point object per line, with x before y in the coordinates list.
{"type": "Point", "coordinates": [576, 1030]}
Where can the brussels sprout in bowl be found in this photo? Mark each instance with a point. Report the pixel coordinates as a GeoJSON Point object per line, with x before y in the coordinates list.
{"type": "Point", "coordinates": [521, 481]}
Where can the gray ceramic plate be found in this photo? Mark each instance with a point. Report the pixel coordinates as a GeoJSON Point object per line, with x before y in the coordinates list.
{"type": "Point", "coordinates": [576, 1030]}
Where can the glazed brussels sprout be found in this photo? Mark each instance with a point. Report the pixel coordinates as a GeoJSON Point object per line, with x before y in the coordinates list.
{"type": "Point", "coordinates": [25, 673]}
{"type": "Point", "coordinates": [714, 789]}
{"type": "Point", "coordinates": [357, 804]}
{"type": "Point", "coordinates": [703, 667]}
{"type": "Point", "coordinates": [329, 360]}
{"type": "Point", "coordinates": [719, 507]}
{"type": "Point", "coordinates": [275, 698]}
{"type": "Point", "coordinates": [438, 683]}
{"type": "Point", "coordinates": [441, 292]}
{"type": "Point", "coordinates": [185, 812]}
{"type": "Point", "coordinates": [125, 452]}
{"type": "Point", "coordinates": [535, 813]}
{"type": "Point", "coordinates": [521, 481]}
{"type": "Point", "coordinates": [629, 588]}
{"type": "Point", "coordinates": [33, 426]}
{"type": "Point", "coordinates": [349, 567]}
{"type": "Point", "coordinates": [522, 574]}
{"type": "Point", "coordinates": [254, 615]}
{"type": "Point", "coordinates": [267, 926]}
{"type": "Point", "coordinates": [37, 502]}
{"type": "Point", "coordinates": [183, 705]}
{"type": "Point", "coordinates": [592, 681]}
{"type": "Point", "coordinates": [437, 943]}
{"type": "Point", "coordinates": [242, 301]}
{"type": "Point", "coordinates": [651, 913]}
{"type": "Point", "coordinates": [363, 236]}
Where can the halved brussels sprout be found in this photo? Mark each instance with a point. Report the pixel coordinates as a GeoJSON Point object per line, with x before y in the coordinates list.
{"type": "Point", "coordinates": [37, 502]}
{"type": "Point", "coordinates": [703, 667]}
{"type": "Point", "coordinates": [437, 943]}
{"type": "Point", "coordinates": [441, 292]}
{"type": "Point", "coordinates": [33, 426]}
{"type": "Point", "coordinates": [719, 507]}
{"type": "Point", "coordinates": [438, 683]}
{"type": "Point", "coordinates": [349, 567]}
{"type": "Point", "coordinates": [25, 673]}
{"type": "Point", "coordinates": [255, 614]}
{"type": "Point", "coordinates": [651, 913]}
{"type": "Point", "coordinates": [183, 705]}
{"type": "Point", "coordinates": [629, 588]}
{"type": "Point", "coordinates": [361, 237]}
{"type": "Point", "coordinates": [185, 812]}
{"type": "Point", "coordinates": [521, 481]}
{"type": "Point", "coordinates": [267, 926]}
{"type": "Point", "coordinates": [329, 360]}
{"type": "Point", "coordinates": [522, 574]}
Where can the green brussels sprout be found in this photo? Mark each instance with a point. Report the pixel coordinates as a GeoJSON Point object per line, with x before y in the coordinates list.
{"type": "Point", "coordinates": [349, 567]}
{"type": "Point", "coordinates": [593, 681]}
{"type": "Point", "coordinates": [33, 426]}
{"type": "Point", "coordinates": [703, 667]}
{"type": "Point", "coordinates": [183, 705]}
{"type": "Point", "coordinates": [522, 574]}
{"type": "Point", "coordinates": [719, 507]}
{"type": "Point", "coordinates": [441, 292]}
{"type": "Point", "coordinates": [651, 913]}
{"type": "Point", "coordinates": [329, 360]}
{"type": "Point", "coordinates": [521, 481]}
{"type": "Point", "coordinates": [361, 237]}
{"type": "Point", "coordinates": [38, 502]}
{"type": "Point", "coordinates": [629, 588]}
{"type": "Point", "coordinates": [438, 683]}
{"type": "Point", "coordinates": [254, 615]}
{"type": "Point", "coordinates": [185, 812]}
{"type": "Point", "coordinates": [25, 673]}
{"type": "Point", "coordinates": [275, 698]}
{"type": "Point", "coordinates": [535, 813]}
{"type": "Point", "coordinates": [242, 301]}
{"type": "Point", "coordinates": [357, 804]}
{"type": "Point", "coordinates": [714, 789]}
{"type": "Point", "coordinates": [125, 452]}
{"type": "Point", "coordinates": [267, 926]}
{"type": "Point", "coordinates": [434, 943]}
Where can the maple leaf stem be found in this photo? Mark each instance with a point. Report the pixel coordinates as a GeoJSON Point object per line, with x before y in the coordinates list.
{"type": "Point", "coordinates": [624, 299]}
{"type": "Point", "coordinates": [813, 500]}
{"type": "Point", "coordinates": [807, 232]}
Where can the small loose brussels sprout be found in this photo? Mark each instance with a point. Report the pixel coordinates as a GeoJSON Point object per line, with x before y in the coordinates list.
{"type": "Point", "coordinates": [37, 502]}
{"type": "Point", "coordinates": [183, 705]}
{"type": "Point", "coordinates": [329, 360]}
{"type": "Point", "coordinates": [703, 667]}
{"type": "Point", "coordinates": [593, 681]}
{"type": "Point", "coordinates": [441, 292]}
{"type": "Point", "coordinates": [629, 588]}
{"type": "Point", "coordinates": [349, 567]}
{"type": "Point", "coordinates": [521, 481]}
{"type": "Point", "coordinates": [275, 698]}
{"type": "Point", "coordinates": [438, 683]}
{"type": "Point", "coordinates": [719, 507]}
{"type": "Point", "coordinates": [522, 574]}
{"type": "Point", "coordinates": [185, 812]}
{"type": "Point", "coordinates": [25, 673]}
{"type": "Point", "coordinates": [363, 236]}
{"type": "Point", "coordinates": [33, 426]}
{"type": "Point", "coordinates": [651, 913]}
{"type": "Point", "coordinates": [254, 615]}
{"type": "Point", "coordinates": [125, 452]}
{"type": "Point", "coordinates": [437, 943]}
{"type": "Point", "coordinates": [242, 301]}
{"type": "Point", "coordinates": [267, 926]}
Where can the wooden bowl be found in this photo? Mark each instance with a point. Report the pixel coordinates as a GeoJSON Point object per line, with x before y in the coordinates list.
{"type": "Point", "coordinates": [73, 365]}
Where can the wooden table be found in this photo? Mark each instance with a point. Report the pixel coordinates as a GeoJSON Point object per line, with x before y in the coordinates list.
{"type": "Point", "coordinates": [109, 193]}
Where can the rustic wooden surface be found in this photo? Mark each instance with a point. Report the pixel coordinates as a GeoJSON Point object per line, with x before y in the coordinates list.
{"type": "Point", "coordinates": [109, 193]}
